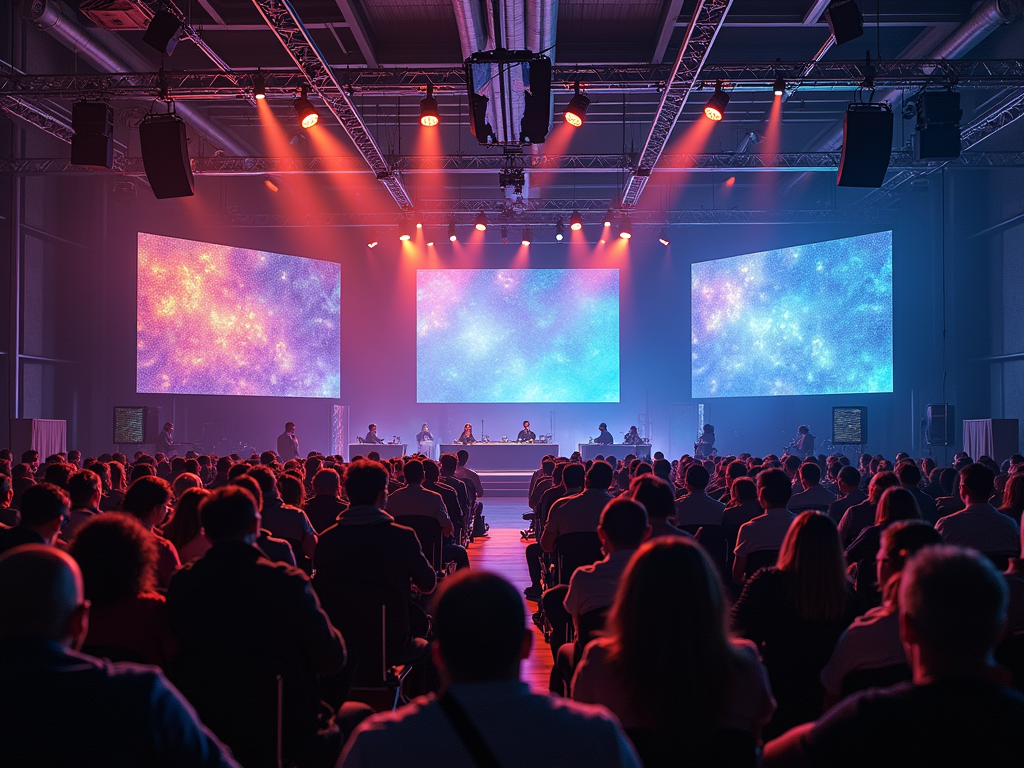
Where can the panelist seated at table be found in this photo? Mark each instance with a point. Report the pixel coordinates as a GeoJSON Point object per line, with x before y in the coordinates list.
{"type": "Point", "coordinates": [526, 434]}
{"type": "Point", "coordinates": [466, 438]}
{"type": "Point", "coordinates": [605, 438]}
{"type": "Point", "coordinates": [633, 437]}
{"type": "Point", "coordinates": [371, 436]}
{"type": "Point", "coordinates": [424, 435]}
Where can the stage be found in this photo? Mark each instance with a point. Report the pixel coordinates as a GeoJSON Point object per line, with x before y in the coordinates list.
{"type": "Point", "coordinates": [502, 456]}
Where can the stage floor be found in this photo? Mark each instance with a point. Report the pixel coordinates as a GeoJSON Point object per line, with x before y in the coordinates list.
{"type": "Point", "coordinates": [502, 552]}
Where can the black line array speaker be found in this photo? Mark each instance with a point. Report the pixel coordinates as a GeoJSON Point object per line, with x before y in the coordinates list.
{"type": "Point", "coordinates": [93, 142]}
{"type": "Point", "coordinates": [940, 426]}
{"type": "Point", "coordinates": [844, 20]}
{"type": "Point", "coordinates": [938, 126]}
{"type": "Point", "coordinates": [165, 156]}
{"type": "Point", "coordinates": [867, 144]}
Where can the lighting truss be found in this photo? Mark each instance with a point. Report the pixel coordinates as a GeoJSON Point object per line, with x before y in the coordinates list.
{"type": "Point", "coordinates": [293, 35]}
{"type": "Point", "coordinates": [700, 36]}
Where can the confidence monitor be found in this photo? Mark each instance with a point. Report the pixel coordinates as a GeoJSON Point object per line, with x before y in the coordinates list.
{"type": "Point", "coordinates": [136, 424]}
{"type": "Point", "coordinates": [849, 425]}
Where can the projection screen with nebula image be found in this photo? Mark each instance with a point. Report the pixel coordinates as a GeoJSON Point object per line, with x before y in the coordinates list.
{"type": "Point", "coordinates": [217, 320]}
{"type": "Point", "coordinates": [808, 320]}
{"type": "Point", "coordinates": [517, 335]}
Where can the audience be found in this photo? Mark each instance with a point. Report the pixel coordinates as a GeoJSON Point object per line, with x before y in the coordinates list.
{"type": "Point", "coordinates": [655, 495]}
{"type": "Point", "coordinates": [812, 495]}
{"type": "Point", "coordinates": [9, 516]}
{"type": "Point", "coordinates": [979, 525]}
{"type": "Point", "coordinates": [44, 510]}
{"type": "Point", "coordinates": [485, 715]}
{"type": "Point", "coordinates": [897, 503]}
{"type": "Point", "coordinates": [326, 504]}
{"type": "Point", "coordinates": [185, 528]}
{"type": "Point", "coordinates": [850, 494]}
{"type": "Point", "coordinates": [860, 516]}
{"type": "Point", "coordinates": [766, 532]}
{"type": "Point", "coordinates": [148, 500]}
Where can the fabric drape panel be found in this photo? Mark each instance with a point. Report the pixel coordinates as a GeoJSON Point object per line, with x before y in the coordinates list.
{"type": "Point", "coordinates": [48, 436]}
{"type": "Point", "coordinates": [978, 437]}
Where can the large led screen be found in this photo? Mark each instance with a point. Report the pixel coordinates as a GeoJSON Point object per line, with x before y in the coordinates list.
{"type": "Point", "coordinates": [517, 335]}
{"type": "Point", "coordinates": [808, 320]}
{"type": "Point", "coordinates": [217, 320]}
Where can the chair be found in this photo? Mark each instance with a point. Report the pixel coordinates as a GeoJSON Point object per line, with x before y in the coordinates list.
{"type": "Point", "coordinates": [762, 558]}
{"type": "Point", "coordinates": [573, 550]}
{"type": "Point", "coordinates": [712, 538]}
{"type": "Point", "coordinates": [725, 748]}
{"type": "Point", "coordinates": [588, 626]}
{"type": "Point", "coordinates": [879, 677]}
{"type": "Point", "coordinates": [428, 531]}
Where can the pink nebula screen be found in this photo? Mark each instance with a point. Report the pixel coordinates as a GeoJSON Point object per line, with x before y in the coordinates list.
{"type": "Point", "coordinates": [218, 320]}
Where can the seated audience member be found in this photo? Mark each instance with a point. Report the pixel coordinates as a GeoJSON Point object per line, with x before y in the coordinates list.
{"type": "Point", "coordinates": [766, 532]}
{"type": "Point", "coordinates": [58, 473]}
{"type": "Point", "coordinates": [741, 508]}
{"type": "Point", "coordinates": [274, 549]}
{"type": "Point", "coordinates": [486, 715]}
{"type": "Point", "coordinates": [979, 525]}
{"type": "Point", "coordinates": [118, 487]}
{"type": "Point", "coordinates": [326, 504]}
{"type": "Point", "coordinates": [9, 516]}
{"type": "Point", "coordinates": [872, 641]}
{"type": "Point", "coordinates": [812, 495]}
{"type": "Point", "coordinates": [910, 478]}
{"type": "Point", "coordinates": [952, 607]}
{"type": "Point", "coordinates": [110, 715]}
{"type": "Point", "coordinates": [224, 464]}
{"type": "Point", "coordinates": [185, 528]}
{"type": "Point", "coordinates": [448, 464]}
{"type": "Point", "coordinates": [368, 548]}
{"type": "Point", "coordinates": [582, 512]}
{"type": "Point", "coordinates": [44, 510]}
{"type": "Point", "coordinates": [656, 497]}
{"type": "Point", "coordinates": [1014, 576]}
{"type": "Point", "coordinates": [467, 475]}
{"type": "Point", "coordinates": [667, 668]}
{"type": "Point", "coordinates": [953, 500]}
{"type": "Point", "coordinates": [794, 612]}
{"type": "Point", "coordinates": [21, 480]}
{"type": "Point", "coordinates": [127, 618]}
{"type": "Point", "coordinates": [432, 482]}
{"type": "Point", "coordinates": [414, 499]}
{"type": "Point", "coordinates": [86, 491]}
{"type": "Point", "coordinates": [148, 499]}
{"type": "Point", "coordinates": [184, 481]}
{"type": "Point", "coordinates": [897, 503]}
{"type": "Point", "coordinates": [850, 494]}
{"type": "Point", "coordinates": [573, 480]}
{"type": "Point", "coordinates": [291, 490]}
{"type": "Point", "coordinates": [542, 482]}
{"type": "Point", "coordinates": [860, 516]}
{"type": "Point", "coordinates": [623, 527]}
{"type": "Point", "coordinates": [556, 491]}
{"type": "Point", "coordinates": [285, 521]}
{"type": "Point", "coordinates": [234, 610]}
{"type": "Point", "coordinates": [696, 508]}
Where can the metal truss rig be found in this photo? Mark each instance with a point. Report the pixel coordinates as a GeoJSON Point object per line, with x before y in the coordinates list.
{"type": "Point", "coordinates": [237, 85]}
{"type": "Point", "coordinates": [700, 36]}
{"type": "Point", "coordinates": [286, 25]}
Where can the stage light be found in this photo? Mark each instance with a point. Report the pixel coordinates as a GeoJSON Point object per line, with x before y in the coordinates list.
{"type": "Point", "coordinates": [452, 234]}
{"type": "Point", "coordinates": [608, 215]}
{"type": "Point", "coordinates": [481, 222]}
{"type": "Point", "coordinates": [372, 244]}
{"type": "Point", "coordinates": [715, 108]}
{"type": "Point", "coordinates": [625, 228]}
{"type": "Point", "coordinates": [430, 244]}
{"type": "Point", "coordinates": [576, 112]}
{"type": "Point", "coordinates": [429, 114]}
{"type": "Point", "coordinates": [527, 235]}
{"type": "Point", "coordinates": [559, 230]}
{"type": "Point", "coordinates": [404, 231]}
{"type": "Point", "coordinates": [270, 184]}
{"type": "Point", "coordinates": [163, 32]}
{"type": "Point", "coordinates": [780, 85]}
{"type": "Point", "coordinates": [663, 236]}
{"type": "Point", "coordinates": [576, 221]}
{"type": "Point", "coordinates": [504, 235]}
{"type": "Point", "coordinates": [259, 86]}
{"type": "Point", "coordinates": [305, 110]}
{"type": "Point", "coordinates": [419, 224]}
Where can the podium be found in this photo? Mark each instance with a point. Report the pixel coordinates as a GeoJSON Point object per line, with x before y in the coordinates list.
{"type": "Point", "coordinates": [996, 438]}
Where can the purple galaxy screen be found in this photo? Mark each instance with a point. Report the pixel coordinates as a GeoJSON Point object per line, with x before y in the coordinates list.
{"type": "Point", "coordinates": [517, 335]}
{"type": "Point", "coordinates": [218, 320]}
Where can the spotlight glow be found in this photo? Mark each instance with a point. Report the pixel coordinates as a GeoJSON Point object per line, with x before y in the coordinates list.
{"type": "Point", "coordinates": [481, 222]}
{"type": "Point", "coordinates": [452, 234]}
{"type": "Point", "coordinates": [576, 221]}
{"type": "Point", "coordinates": [714, 110]}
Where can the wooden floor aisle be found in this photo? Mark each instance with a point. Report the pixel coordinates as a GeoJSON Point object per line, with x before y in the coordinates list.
{"type": "Point", "coordinates": [503, 553]}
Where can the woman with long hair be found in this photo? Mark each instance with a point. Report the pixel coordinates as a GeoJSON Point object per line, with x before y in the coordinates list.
{"type": "Point", "coordinates": [1013, 497]}
{"type": "Point", "coordinates": [185, 528]}
{"type": "Point", "coordinates": [668, 665]}
{"type": "Point", "coordinates": [794, 612]}
{"type": "Point", "coordinates": [148, 500]}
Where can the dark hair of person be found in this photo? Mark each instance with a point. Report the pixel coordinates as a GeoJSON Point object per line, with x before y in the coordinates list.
{"type": "Point", "coordinates": [903, 538]}
{"type": "Point", "coordinates": [669, 647]}
{"type": "Point", "coordinates": [462, 456]}
{"type": "Point", "coordinates": [850, 476]}
{"type": "Point", "coordinates": [449, 463]}
{"type": "Point", "coordinates": [743, 489]}
{"type": "Point", "coordinates": [977, 480]}
{"type": "Point", "coordinates": [117, 557]}
{"type": "Point", "coordinates": [775, 486]}
{"type": "Point", "coordinates": [364, 481]}
{"type": "Point", "coordinates": [909, 473]}
{"type": "Point", "coordinates": [82, 486]}
{"type": "Point", "coordinates": [655, 495]}
{"type": "Point", "coordinates": [697, 477]}
{"type": "Point", "coordinates": [573, 475]}
{"type": "Point", "coordinates": [59, 473]}
{"type": "Point", "coordinates": [185, 524]}
{"type": "Point", "coordinates": [146, 494]}
{"type": "Point", "coordinates": [43, 503]}
{"type": "Point", "coordinates": [479, 623]}
{"type": "Point", "coordinates": [102, 470]}
{"type": "Point", "coordinates": [227, 513]}
{"type": "Point", "coordinates": [812, 554]}
{"type": "Point", "coordinates": [327, 480]}
{"type": "Point", "coordinates": [810, 472]}
{"type": "Point", "coordinates": [897, 503]}
{"type": "Point", "coordinates": [291, 489]}
{"type": "Point", "coordinates": [624, 522]}
{"type": "Point", "coordinates": [599, 476]}
{"type": "Point", "coordinates": [1013, 496]}
{"type": "Point", "coordinates": [414, 471]}
{"type": "Point", "coordinates": [249, 484]}
{"type": "Point", "coordinates": [266, 478]}
{"type": "Point", "coordinates": [547, 466]}
{"type": "Point", "coordinates": [880, 483]}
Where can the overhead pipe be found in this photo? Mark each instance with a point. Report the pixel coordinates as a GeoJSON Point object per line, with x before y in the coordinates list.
{"type": "Point", "coordinates": [107, 52]}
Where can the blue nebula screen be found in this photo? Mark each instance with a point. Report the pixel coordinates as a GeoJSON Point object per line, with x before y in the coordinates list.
{"type": "Point", "coordinates": [217, 320]}
{"type": "Point", "coordinates": [517, 335]}
{"type": "Point", "coordinates": [808, 320]}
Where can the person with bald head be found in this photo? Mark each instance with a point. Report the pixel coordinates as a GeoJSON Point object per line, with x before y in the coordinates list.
{"type": "Point", "coordinates": [107, 714]}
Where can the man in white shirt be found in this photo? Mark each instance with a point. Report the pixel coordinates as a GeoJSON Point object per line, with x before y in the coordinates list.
{"type": "Point", "coordinates": [481, 640]}
{"type": "Point", "coordinates": [979, 525]}
{"type": "Point", "coordinates": [471, 478]}
{"type": "Point", "coordinates": [696, 508]}
{"type": "Point", "coordinates": [813, 496]}
{"type": "Point", "coordinates": [765, 532]}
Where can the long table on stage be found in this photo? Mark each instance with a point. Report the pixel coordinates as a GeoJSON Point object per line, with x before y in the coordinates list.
{"type": "Point", "coordinates": [521, 456]}
{"type": "Point", "coordinates": [619, 450]}
{"type": "Point", "coordinates": [386, 450]}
